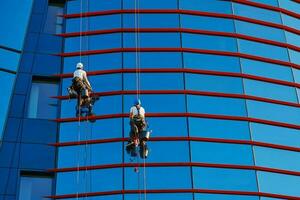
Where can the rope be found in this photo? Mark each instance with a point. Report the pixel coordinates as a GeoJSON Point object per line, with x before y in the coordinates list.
{"type": "Point", "coordinates": [145, 180]}
{"type": "Point", "coordinates": [137, 47]}
{"type": "Point", "coordinates": [80, 32]}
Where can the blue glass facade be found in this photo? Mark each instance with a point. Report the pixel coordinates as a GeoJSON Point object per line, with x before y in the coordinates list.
{"type": "Point", "coordinates": [219, 81]}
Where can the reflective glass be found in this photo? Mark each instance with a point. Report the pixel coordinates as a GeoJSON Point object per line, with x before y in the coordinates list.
{"type": "Point", "coordinates": [154, 81]}
{"type": "Point", "coordinates": [204, 61]}
{"type": "Point", "coordinates": [216, 128]}
{"type": "Point", "coordinates": [294, 56]}
{"type": "Point", "coordinates": [292, 38]}
{"type": "Point", "coordinates": [153, 60]}
{"type": "Point", "coordinates": [88, 155]}
{"type": "Point", "coordinates": [93, 23]}
{"type": "Point", "coordinates": [278, 183]}
{"type": "Point", "coordinates": [150, 20]}
{"type": "Point", "coordinates": [41, 105]}
{"type": "Point", "coordinates": [224, 179]}
{"type": "Point", "coordinates": [296, 73]}
{"type": "Point", "coordinates": [268, 2]}
{"type": "Point", "coordinates": [110, 128]}
{"type": "Point", "coordinates": [34, 188]}
{"type": "Point", "coordinates": [256, 13]}
{"type": "Point", "coordinates": [154, 40]}
{"type": "Point", "coordinates": [154, 4]}
{"type": "Point", "coordinates": [168, 178]}
{"type": "Point", "coordinates": [9, 59]}
{"type": "Point", "coordinates": [290, 21]}
{"type": "Point", "coordinates": [173, 196]}
{"type": "Point", "coordinates": [212, 83]}
{"type": "Point", "coordinates": [275, 134]}
{"type": "Point", "coordinates": [277, 158]}
{"type": "Point", "coordinates": [7, 80]}
{"type": "Point", "coordinates": [214, 6]}
{"type": "Point", "coordinates": [273, 112]}
{"type": "Point", "coordinates": [88, 181]}
{"type": "Point", "coordinates": [207, 23]}
{"type": "Point", "coordinates": [265, 69]}
{"type": "Point", "coordinates": [94, 62]}
{"type": "Point", "coordinates": [270, 90]}
{"type": "Point", "coordinates": [221, 153]}
{"type": "Point", "coordinates": [260, 31]}
{"type": "Point", "coordinates": [157, 103]}
{"type": "Point", "coordinates": [224, 197]}
{"type": "Point", "coordinates": [209, 42]}
{"type": "Point", "coordinates": [17, 23]}
{"type": "Point", "coordinates": [53, 24]}
{"type": "Point", "coordinates": [74, 6]}
{"type": "Point", "coordinates": [263, 50]}
{"type": "Point", "coordinates": [216, 105]}
{"type": "Point", "coordinates": [106, 197]}
{"type": "Point", "coordinates": [290, 5]}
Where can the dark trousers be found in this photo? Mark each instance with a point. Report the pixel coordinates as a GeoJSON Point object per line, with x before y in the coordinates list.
{"type": "Point", "coordinates": [136, 127]}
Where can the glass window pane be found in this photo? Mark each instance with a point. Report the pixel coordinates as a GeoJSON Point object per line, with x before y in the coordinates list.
{"type": "Point", "coordinates": [225, 197]}
{"type": "Point", "coordinates": [173, 196]}
{"type": "Point", "coordinates": [212, 83]}
{"type": "Point", "coordinates": [209, 42]}
{"type": "Point", "coordinates": [263, 50]}
{"type": "Point", "coordinates": [216, 105]}
{"type": "Point", "coordinates": [41, 105]}
{"type": "Point", "coordinates": [153, 4]}
{"type": "Point", "coordinates": [292, 38]}
{"type": "Point", "coordinates": [215, 6]}
{"type": "Point", "coordinates": [150, 20]}
{"type": "Point", "coordinates": [221, 153]}
{"type": "Point", "coordinates": [275, 134]}
{"type": "Point", "coordinates": [53, 24]}
{"type": "Point", "coordinates": [279, 183]}
{"type": "Point", "coordinates": [290, 21]}
{"type": "Point", "coordinates": [224, 179]}
{"type": "Point", "coordinates": [267, 2]}
{"type": "Point", "coordinates": [264, 69]}
{"type": "Point", "coordinates": [74, 6]}
{"type": "Point", "coordinates": [273, 112]}
{"type": "Point", "coordinates": [216, 128]}
{"type": "Point", "coordinates": [270, 90]}
{"type": "Point", "coordinates": [290, 5]}
{"type": "Point", "coordinates": [204, 61]}
{"type": "Point", "coordinates": [294, 56]}
{"type": "Point", "coordinates": [34, 188]}
{"type": "Point", "coordinates": [9, 59]}
{"type": "Point", "coordinates": [207, 23]}
{"type": "Point", "coordinates": [256, 13]}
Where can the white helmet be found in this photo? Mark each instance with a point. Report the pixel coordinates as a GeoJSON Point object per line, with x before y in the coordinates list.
{"type": "Point", "coordinates": [79, 65]}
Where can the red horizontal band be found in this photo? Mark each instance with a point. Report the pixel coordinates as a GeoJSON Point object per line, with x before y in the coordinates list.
{"type": "Point", "coordinates": [197, 139]}
{"type": "Point", "coordinates": [196, 115]}
{"type": "Point", "coordinates": [187, 12]}
{"type": "Point", "coordinates": [186, 70]}
{"type": "Point", "coordinates": [181, 30]}
{"type": "Point", "coordinates": [188, 50]}
{"type": "Point", "coordinates": [268, 7]}
{"type": "Point", "coordinates": [191, 92]}
{"type": "Point", "coordinates": [228, 192]}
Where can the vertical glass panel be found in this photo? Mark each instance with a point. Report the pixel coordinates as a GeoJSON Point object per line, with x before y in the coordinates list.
{"type": "Point", "coordinates": [54, 22]}
{"type": "Point", "coordinates": [154, 60]}
{"type": "Point", "coordinates": [267, 2]}
{"type": "Point", "coordinates": [17, 23]}
{"type": "Point", "coordinates": [209, 42]}
{"type": "Point", "coordinates": [7, 80]}
{"type": "Point", "coordinates": [150, 20]}
{"type": "Point", "coordinates": [74, 6]}
{"type": "Point", "coordinates": [296, 73]}
{"type": "Point", "coordinates": [273, 112]}
{"type": "Point", "coordinates": [34, 188]}
{"type": "Point", "coordinates": [207, 23]}
{"type": "Point", "coordinates": [276, 158]}
{"type": "Point", "coordinates": [173, 196]}
{"type": "Point", "coordinates": [290, 21]}
{"type": "Point", "coordinates": [259, 31]}
{"type": "Point", "coordinates": [256, 13]}
{"type": "Point", "coordinates": [263, 50]}
{"type": "Point", "coordinates": [154, 81]}
{"type": "Point", "coordinates": [290, 5]}
{"type": "Point", "coordinates": [216, 128]}
{"type": "Point", "coordinates": [278, 183]}
{"type": "Point", "coordinates": [211, 62]}
{"type": "Point", "coordinates": [270, 90]}
{"type": "Point", "coordinates": [294, 56]}
{"type": "Point", "coordinates": [265, 69]}
{"type": "Point", "coordinates": [155, 40]}
{"type": "Point", "coordinates": [154, 4]}
{"type": "Point", "coordinates": [215, 6]}
{"type": "Point", "coordinates": [216, 105]}
{"type": "Point", "coordinates": [224, 197]}
{"type": "Point", "coordinates": [221, 153]}
{"type": "Point", "coordinates": [224, 179]}
{"type": "Point", "coordinates": [9, 59]}
{"type": "Point", "coordinates": [41, 105]}
{"type": "Point", "coordinates": [212, 83]}
{"type": "Point", "coordinates": [275, 134]}
{"type": "Point", "coordinates": [169, 178]}
{"type": "Point", "coordinates": [292, 38]}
